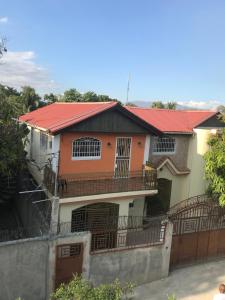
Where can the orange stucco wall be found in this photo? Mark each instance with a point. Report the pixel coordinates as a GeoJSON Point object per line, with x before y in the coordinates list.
{"type": "Point", "coordinates": [106, 163]}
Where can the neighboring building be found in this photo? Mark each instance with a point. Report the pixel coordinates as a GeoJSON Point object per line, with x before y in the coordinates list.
{"type": "Point", "coordinates": [178, 155]}
{"type": "Point", "coordinates": [98, 151]}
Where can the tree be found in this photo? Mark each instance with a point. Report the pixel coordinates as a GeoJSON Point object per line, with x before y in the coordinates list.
{"type": "Point", "coordinates": [81, 289]}
{"type": "Point", "coordinates": [30, 98]}
{"type": "Point", "coordinates": [12, 137]}
{"type": "Point", "coordinates": [157, 104]}
{"type": "Point", "coordinates": [50, 98]}
{"type": "Point", "coordinates": [171, 105]}
{"type": "Point", "coordinates": [131, 104]}
{"type": "Point", "coordinates": [160, 104]}
{"type": "Point", "coordinates": [72, 95]}
{"type": "Point", "coordinates": [90, 97]}
{"type": "Point", "coordinates": [215, 166]}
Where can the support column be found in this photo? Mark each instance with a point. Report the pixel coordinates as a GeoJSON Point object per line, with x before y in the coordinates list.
{"type": "Point", "coordinates": [54, 216]}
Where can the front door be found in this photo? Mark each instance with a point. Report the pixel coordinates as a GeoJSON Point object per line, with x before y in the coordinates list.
{"type": "Point", "coordinates": [122, 161]}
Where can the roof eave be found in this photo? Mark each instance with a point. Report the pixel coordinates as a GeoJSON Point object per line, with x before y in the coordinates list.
{"type": "Point", "coordinates": [179, 132]}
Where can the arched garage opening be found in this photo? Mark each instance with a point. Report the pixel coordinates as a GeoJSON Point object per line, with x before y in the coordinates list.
{"type": "Point", "coordinates": [95, 217]}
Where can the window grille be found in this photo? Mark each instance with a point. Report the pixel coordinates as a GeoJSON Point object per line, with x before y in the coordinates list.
{"type": "Point", "coordinates": [86, 148]}
{"type": "Point", "coordinates": [43, 141]}
{"type": "Point", "coordinates": [69, 250]}
{"type": "Point", "coordinates": [164, 145]}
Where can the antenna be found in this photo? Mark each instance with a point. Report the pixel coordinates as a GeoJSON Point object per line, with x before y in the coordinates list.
{"type": "Point", "coordinates": [128, 88]}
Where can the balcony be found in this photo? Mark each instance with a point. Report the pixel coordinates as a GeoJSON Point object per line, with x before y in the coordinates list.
{"type": "Point", "coordinates": [86, 184]}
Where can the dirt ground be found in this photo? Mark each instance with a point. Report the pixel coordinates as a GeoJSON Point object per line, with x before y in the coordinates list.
{"type": "Point", "coordinates": [198, 282]}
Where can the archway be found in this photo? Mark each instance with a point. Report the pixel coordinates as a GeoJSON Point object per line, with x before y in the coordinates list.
{"type": "Point", "coordinates": [95, 217]}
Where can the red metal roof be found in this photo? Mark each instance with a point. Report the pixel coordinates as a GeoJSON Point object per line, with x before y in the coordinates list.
{"type": "Point", "coordinates": [168, 120]}
{"type": "Point", "coordinates": [57, 116]}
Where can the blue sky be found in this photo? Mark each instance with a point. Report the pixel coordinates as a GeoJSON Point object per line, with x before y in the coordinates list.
{"type": "Point", "coordinates": [173, 49]}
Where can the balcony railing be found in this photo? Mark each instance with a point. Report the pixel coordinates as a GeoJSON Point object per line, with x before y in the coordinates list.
{"type": "Point", "coordinates": [75, 185]}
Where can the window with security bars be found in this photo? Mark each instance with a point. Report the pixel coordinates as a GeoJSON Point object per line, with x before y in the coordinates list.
{"type": "Point", "coordinates": [164, 145]}
{"type": "Point", "coordinates": [86, 148]}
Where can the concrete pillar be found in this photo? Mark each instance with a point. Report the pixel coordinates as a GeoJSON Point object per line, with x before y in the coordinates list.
{"type": "Point", "coordinates": [167, 249]}
{"type": "Point", "coordinates": [54, 216]}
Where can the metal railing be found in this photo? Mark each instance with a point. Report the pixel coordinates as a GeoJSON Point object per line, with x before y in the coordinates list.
{"type": "Point", "coordinates": [113, 233]}
{"type": "Point", "coordinates": [101, 223]}
{"type": "Point", "coordinates": [192, 203]}
{"type": "Point", "coordinates": [84, 184]}
{"type": "Point", "coordinates": [115, 240]}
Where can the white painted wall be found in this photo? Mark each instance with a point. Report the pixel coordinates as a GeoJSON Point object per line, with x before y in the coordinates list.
{"type": "Point", "coordinates": [65, 210]}
{"type": "Point", "coordinates": [147, 149]}
{"type": "Point", "coordinates": [138, 207]}
{"type": "Point", "coordinates": [55, 151]}
{"type": "Point", "coordinates": [38, 155]}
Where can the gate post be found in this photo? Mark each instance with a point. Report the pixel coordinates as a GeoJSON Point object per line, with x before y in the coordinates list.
{"type": "Point", "coordinates": [54, 216]}
{"type": "Point", "coordinates": [167, 249]}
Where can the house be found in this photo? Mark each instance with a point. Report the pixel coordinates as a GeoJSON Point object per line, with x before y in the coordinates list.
{"type": "Point", "coordinates": [97, 152]}
{"type": "Point", "coordinates": [178, 154]}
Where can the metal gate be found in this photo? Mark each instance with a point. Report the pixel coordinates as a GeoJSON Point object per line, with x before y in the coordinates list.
{"type": "Point", "coordinates": [199, 231]}
{"type": "Point", "coordinates": [122, 162]}
{"type": "Point", "coordinates": [69, 261]}
{"type": "Point", "coordinates": [101, 219]}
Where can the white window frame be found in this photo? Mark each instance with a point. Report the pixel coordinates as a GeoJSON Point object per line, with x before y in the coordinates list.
{"type": "Point", "coordinates": [156, 140]}
{"type": "Point", "coordinates": [97, 157]}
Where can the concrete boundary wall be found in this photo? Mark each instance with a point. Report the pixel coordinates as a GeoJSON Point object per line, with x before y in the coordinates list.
{"type": "Point", "coordinates": [28, 266]}
{"type": "Point", "coordinates": [23, 270]}
{"type": "Point", "coordinates": [139, 266]}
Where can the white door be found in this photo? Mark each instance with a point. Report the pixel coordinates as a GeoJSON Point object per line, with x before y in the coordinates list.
{"type": "Point", "coordinates": [122, 161]}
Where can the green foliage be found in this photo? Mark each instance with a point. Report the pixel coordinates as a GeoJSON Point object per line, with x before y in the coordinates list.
{"type": "Point", "coordinates": [215, 166]}
{"type": "Point", "coordinates": [50, 98]}
{"type": "Point", "coordinates": [171, 105]}
{"type": "Point", "coordinates": [30, 98]}
{"type": "Point", "coordinates": [80, 289]}
{"type": "Point", "coordinates": [160, 104]}
{"type": "Point", "coordinates": [73, 95]}
{"type": "Point", "coordinates": [131, 104]}
{"type": "Point", "coordinates": [171, 297]}
{"type": "Point", "coordinates": [12, 137]}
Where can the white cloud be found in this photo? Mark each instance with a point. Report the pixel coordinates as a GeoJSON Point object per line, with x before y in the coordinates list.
{"type": "Point", "coordinates": [211, 104]}
{"type": "Point", "coordinates": [18, 69]}
{"type": "Point", "coordinates": [4, 19]}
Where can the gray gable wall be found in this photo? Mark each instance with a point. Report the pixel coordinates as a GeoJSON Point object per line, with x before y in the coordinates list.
{"type": "Point", "coordinates": [213, 122]}
{"type": "Point", "coordinates": [112, 121]}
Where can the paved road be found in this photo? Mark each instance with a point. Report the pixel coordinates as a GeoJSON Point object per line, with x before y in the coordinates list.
{"type": "Point", "coordinates": [199, 282]}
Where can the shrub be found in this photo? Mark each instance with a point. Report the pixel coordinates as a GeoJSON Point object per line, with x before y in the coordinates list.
{"type": "Point", "coordinates": [80, 289]}
{"type": "Point", "coordinates": [171, 297]}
